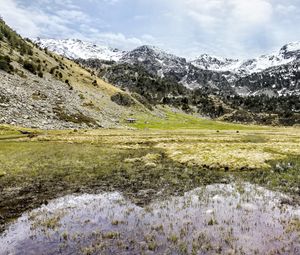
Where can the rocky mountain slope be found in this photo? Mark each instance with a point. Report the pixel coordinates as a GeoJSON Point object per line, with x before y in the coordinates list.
{"type": "Point", "coordinates": [171, 67]}
{"type": "Point", "coordinates": [282, 80]}
{"type": "Point", "coordinates": [43, 90]}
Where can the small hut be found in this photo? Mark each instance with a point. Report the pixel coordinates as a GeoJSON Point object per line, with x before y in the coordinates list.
{"type": "Point", "coordinates": [131, 120]}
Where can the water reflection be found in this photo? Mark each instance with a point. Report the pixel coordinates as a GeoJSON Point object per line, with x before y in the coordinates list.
{"type": "Point", "coordinates": [225, 219]}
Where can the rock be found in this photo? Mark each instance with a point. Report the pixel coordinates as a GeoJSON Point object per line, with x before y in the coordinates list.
{"type": "Point", "coordinates": [23, 109]}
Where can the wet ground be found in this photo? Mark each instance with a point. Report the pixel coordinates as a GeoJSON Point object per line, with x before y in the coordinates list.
{"type": "Point", "coordinates": [238, 218]}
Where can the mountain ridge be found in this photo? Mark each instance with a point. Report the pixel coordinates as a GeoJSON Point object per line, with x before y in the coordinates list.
{"type": "Point", "coordinates": [205, 71]}
{"type": "Point", "coordinates": [74, 48]}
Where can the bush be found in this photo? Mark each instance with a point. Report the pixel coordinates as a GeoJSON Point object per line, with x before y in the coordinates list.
{"type": "Point", "coordinates": [40, 74]}
{"type": "Point", "coordinates": [95, 83]}
{"type": "Point", "coordinates": [52, 70]}
{"type": "Point", "coordinates": [122, 99]}
{"type": "Point", "coordinates": [5, 64]}
{"type": "Point", "coordinates": [142, 100]}
{"type": "Point", "coordinates": [30, 67]}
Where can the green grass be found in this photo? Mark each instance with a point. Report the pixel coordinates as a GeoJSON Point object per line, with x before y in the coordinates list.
{"type": "Point", "coordinates": [172, 160]}
{"type": "Point", "coordinates": [173, 121]}
{"type": "Point", "coordinates": [34, 171]}
{"type": "Point", "coordinates": [284, 175]}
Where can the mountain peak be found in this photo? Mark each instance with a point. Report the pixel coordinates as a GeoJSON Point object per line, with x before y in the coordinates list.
{"type": "Point", "coordinates": [153, 50]}
{"type": "Point", "coordinates": [287, 54]}
{"type": "Point", "coordinates": [75, 48]}
{"type": "Point", "coordinates": [208, 62]}
{"type": "Point", "coordinates": [292, 46]}
{"type": "Point", "coordinates": [291, 50]}
{"type": "Point", "coordinates": [151, 53]}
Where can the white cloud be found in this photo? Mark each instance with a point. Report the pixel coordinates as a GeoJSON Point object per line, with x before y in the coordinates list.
{"type": "Point", "coordinates": [18, 18]}
{"type": "Point", "coordinates": [251, 13]}
{"type": "Point", "coordinates": [230, 28]}
{"type": "Point", "coordinates": [73, 16]}
{"type": "Point", "coordinates": [33, 22]}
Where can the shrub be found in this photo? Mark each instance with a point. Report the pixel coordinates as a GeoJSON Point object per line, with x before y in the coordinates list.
{"type": "Point", "coordinates": [20, 61]}
{"type": "Point", "coordinates": [30, 52]}
{"type": "Point", "coordinates": [95, 83]}
{"type": "Point", "coordinates": [122, 99]}
{"type": "Point", "coordinates": [40, 74]}
{"type": "Point", "coordinates": [30, 67]}
{"type": "Point", "coordinates": [142, 100]}
{"type": "Point", "coordinates": [5, 64]}
{"type": "Point", "coordinates": [52, 70]}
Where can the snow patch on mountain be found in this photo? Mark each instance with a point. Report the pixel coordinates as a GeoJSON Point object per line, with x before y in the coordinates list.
{"type": "Point", "coordinates": [148, 52]}
{"type": "Point", "coordinates": [214, 63]}
{"type": "Point", "coordinates": [155, 60]}
{"type": "Point", "coordinates": [287, 54]}
{"type": "Point", "coordinates": [262, 63]}
{"type": "Point", "coordinates": [74, 49]}
{"type": "Point", "coordinates": [293, 46]}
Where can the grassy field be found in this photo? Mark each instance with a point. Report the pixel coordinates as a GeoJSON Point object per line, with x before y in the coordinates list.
{"type": "Point", "coordinates": [168, 156]}
{"type": "Point", "coordinates": [177, 120]}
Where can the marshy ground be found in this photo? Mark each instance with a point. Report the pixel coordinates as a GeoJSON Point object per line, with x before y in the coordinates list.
{"type": "Point", "coordinates": [157, 172]}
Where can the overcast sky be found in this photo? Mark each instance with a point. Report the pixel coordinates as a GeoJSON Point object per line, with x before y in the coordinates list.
{"type": "Point", "coordinates": [229, 28]}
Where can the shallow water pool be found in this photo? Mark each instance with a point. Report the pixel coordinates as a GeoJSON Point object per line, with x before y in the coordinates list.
{"type": "Point", "coordinates": [221, 218]}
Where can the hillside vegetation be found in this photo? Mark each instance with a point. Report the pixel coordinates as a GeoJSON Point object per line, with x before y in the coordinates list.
{"type": "Point", "coordinates": [269, 97]}
{"type": "Point", "coordinates": [42, 89]}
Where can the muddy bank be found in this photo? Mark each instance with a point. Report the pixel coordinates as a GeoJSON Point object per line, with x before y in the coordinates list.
{"type": "Point", "coordinates": [216, 219]}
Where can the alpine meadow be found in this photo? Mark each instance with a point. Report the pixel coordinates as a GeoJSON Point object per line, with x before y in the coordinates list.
{"type": "Point", "coordinates": [123, 131]}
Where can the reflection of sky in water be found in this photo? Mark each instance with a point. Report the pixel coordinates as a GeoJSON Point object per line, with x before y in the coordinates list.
{"type": "Point", "coordinates": [218, 218]}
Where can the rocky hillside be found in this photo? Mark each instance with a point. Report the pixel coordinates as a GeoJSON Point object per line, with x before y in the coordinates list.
{"type": "Point", "coordinates": [41, 89]}
{"type": "Point", "coordinates": [207, 101]}
{"type": "Point", "coordinates": [283, 80]}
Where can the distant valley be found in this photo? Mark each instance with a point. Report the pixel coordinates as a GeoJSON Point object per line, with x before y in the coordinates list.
{"type": "Point", "coordinates": [263, 90]}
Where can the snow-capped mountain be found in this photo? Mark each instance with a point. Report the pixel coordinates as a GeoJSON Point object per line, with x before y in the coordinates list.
{"type": "Point", "coordinates": [287, 54]}
{"type": "Point", "coordinates": [177, 69]}
{"type": "Point", "coordinates": [155, 60]}
{"type": "Point", "coordinates": [213, 63]}
{"type": "Point", "coordinates": [273, 74]}
{"type": "Point", "coordinates": [275, 81]}
{"type": "Point", "coordinates": [75, 49]}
